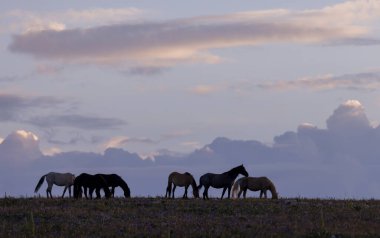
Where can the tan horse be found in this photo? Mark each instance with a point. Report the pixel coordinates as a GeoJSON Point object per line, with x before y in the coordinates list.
{"type": "Point", "coordinates": [58, 179]}
{"type": "Point", "coordinates": [181, 180]}
{"type": "Point", "coordinates": [261, 184]}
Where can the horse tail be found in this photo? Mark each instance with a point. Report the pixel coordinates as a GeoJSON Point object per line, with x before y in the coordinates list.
{"type": "Point", "coordinates": [236, 188]}
{"type": "Point", "coordinates": [200, 183]}
{"type": "Point", "coordinates": [272, 189]}
{"type": "Point", "coordinates": [201, 180]}
{"type": "Point", "coordinates": [39, 183]}
{"type": "Point", "coordinates": [169, 187]}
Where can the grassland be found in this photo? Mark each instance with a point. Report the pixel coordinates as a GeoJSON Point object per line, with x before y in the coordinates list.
{"type": "Point", "coordinates": [158, 217]}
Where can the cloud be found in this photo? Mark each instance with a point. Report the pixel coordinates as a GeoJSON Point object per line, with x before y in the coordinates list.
{"type": "Point", "coordinates": [162, 44]}
{"type": "Point", "coordinates": [12, 106]}
{"type": "Point", "coordinates": [205, 89]}
{"type": "Point", "coordinates": [19, 147]}
{"type": "Point", "coordinates": [27, 21]}
{"type": "Point", "coordinates": [48, 69]}
{"type": "Point", "coordinates": [77, 121]}
{"type": "Point", "coordinates": [121, 141]}
{"type": "Point", "coordinates": [350, 116]}
{"type": "Point", "coordinates": [146, 70]}
{"type": "Point", "coordinates": [359, 81]}
{"type": "Point", "coordinates": [238, 87]}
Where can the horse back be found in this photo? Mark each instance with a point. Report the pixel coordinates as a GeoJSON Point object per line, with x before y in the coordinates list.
{"type": "Point", "coordinates": [215, 180]}
{"type": "Point", "coordinates": [257, 183]}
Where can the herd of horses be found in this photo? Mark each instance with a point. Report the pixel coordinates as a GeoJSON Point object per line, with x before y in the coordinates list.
{"type": "Point", "coordinates": [85, 184]}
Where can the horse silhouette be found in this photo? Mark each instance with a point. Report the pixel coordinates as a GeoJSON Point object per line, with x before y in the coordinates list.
{"type": "Point", "coordinates": [224, 180]}
{"type": "Point", "coordinates": [59, 179]}
{"type": "Point", "coordinates": [262, 184]}
{"type": "Point", "coordinates": [113, 181]}
{"type": "Point", "coordinates": [181, 180]}
{"type": "Point", "coordinates": [91, 182]}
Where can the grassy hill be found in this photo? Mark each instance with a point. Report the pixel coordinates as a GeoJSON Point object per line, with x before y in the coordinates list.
{"type": "Point", "coordinates": [158, 217]}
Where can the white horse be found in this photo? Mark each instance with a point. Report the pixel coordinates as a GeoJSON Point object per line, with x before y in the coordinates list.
{"type": "Point", "coordinates": [261, 184]}
{"type": "Point", "coordinates": [59, 179]}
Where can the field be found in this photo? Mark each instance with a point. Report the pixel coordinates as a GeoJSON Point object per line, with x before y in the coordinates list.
{"type": "Point", "coordinates": [158, 217]}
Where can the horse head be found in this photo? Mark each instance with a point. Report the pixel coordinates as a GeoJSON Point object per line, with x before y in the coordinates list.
{"type": "Point", "coordinates": [127, 193]}
{"type": "Point", "coordinates": [242, 171]}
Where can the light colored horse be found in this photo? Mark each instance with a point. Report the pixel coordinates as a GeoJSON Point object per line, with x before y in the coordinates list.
{"type": "Point", "coordinates": [181, 180]}
{"type": "Point", "coordinates": [261, 184]}
{"type": "Point", "coordinates": [59, 179]}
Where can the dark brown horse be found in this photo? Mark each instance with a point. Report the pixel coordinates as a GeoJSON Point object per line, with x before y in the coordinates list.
{"type": "Point", "coordinates": [91, 182]}
{"type": "Point", "coordinates": [224, 180]}
{"type": "Point", "coordinates": [181, 180]}
{"type": "Point", "coordinates": [261, 184]}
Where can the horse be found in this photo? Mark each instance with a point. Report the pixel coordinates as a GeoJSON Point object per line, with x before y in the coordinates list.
{"type": "Point", "coordinates": [113, 181]}
{"type": "Point", "coordinates": [181, 180]}
{"type": "Point", "coordinates": [224, 180]}
{"type": "Point", "coordinates": [261, 184]}
{"type": "Point", "coordinates": [91, 182]}
{"type": "Point", "coordinates": [59, 179]}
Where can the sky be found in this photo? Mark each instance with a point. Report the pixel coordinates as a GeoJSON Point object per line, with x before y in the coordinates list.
{"type": "Point", "coordinates": [167, 79]}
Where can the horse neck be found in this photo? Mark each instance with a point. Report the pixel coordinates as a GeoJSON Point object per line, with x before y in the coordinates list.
{"type": "Point", "coordinates": [123, 185]}
{"type": "Point", "coordinates": [272, 189]}
{"type": "Point", "coordinates": [233, 173]}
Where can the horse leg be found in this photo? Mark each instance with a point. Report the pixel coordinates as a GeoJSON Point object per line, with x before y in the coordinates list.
{"type": "Point", "coordinates": [245, 193]}
{"type": "Point", "coordinates": [89, 193]}
{"type": "Point", "coordinates": [229, 191]}
{"type": "Point", "coordinates": [173, 190]}
{"type": "Point", "coordinates": [64, 191]}
{"type": "Point", "coordinates": [85, 192]}
{"type": "Point", "coordinates": [48, 190]}
{"type": "Point", "coordinates": [265, 193]}
{"type": "Point", "coordinates": [185, 194]}
{"type": "Point", "coordinates": [70, 191]}
{"type": "Point", "coordinates": [224, 190]}
{"type": "Point", "coordinates": [168, 190]}
{"type": "Point", "coordinates": [205, 192]}
{"type": "Point", "coordinates": [240, 193]}
{"type": "Point", "coordinates": [97, 191]}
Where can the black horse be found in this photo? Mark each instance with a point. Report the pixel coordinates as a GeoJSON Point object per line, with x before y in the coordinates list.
{"type": "Point", "coordinates": [113, 181]}
{"type": "Point", "coordinates": [91, 182]}
{"type": "Point", "coordinates": [224, 180]}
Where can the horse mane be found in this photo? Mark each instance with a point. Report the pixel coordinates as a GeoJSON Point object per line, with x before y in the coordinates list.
{"type": "Point", "coordinates": [234, 170]}
{"type": "Point", "coordinates": [123, 184]}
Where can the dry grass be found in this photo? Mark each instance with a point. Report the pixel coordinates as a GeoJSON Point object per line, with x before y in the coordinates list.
{"type": "Point", "coordinates": [157, 217]}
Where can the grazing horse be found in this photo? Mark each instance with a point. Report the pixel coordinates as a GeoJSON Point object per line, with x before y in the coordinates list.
{"type": "Point", "coordinates": [113, 181]}
{"type": "Point", "coordinates": [91, 182]}
{"type": "Point", "coordinates": [181, 180]}
{"type": "Point", "coordinates": [224, 180]}
{"type": "Point", "coordinates": [261, 184]}
{"type": "Point", "coordinates": [59, 179]}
